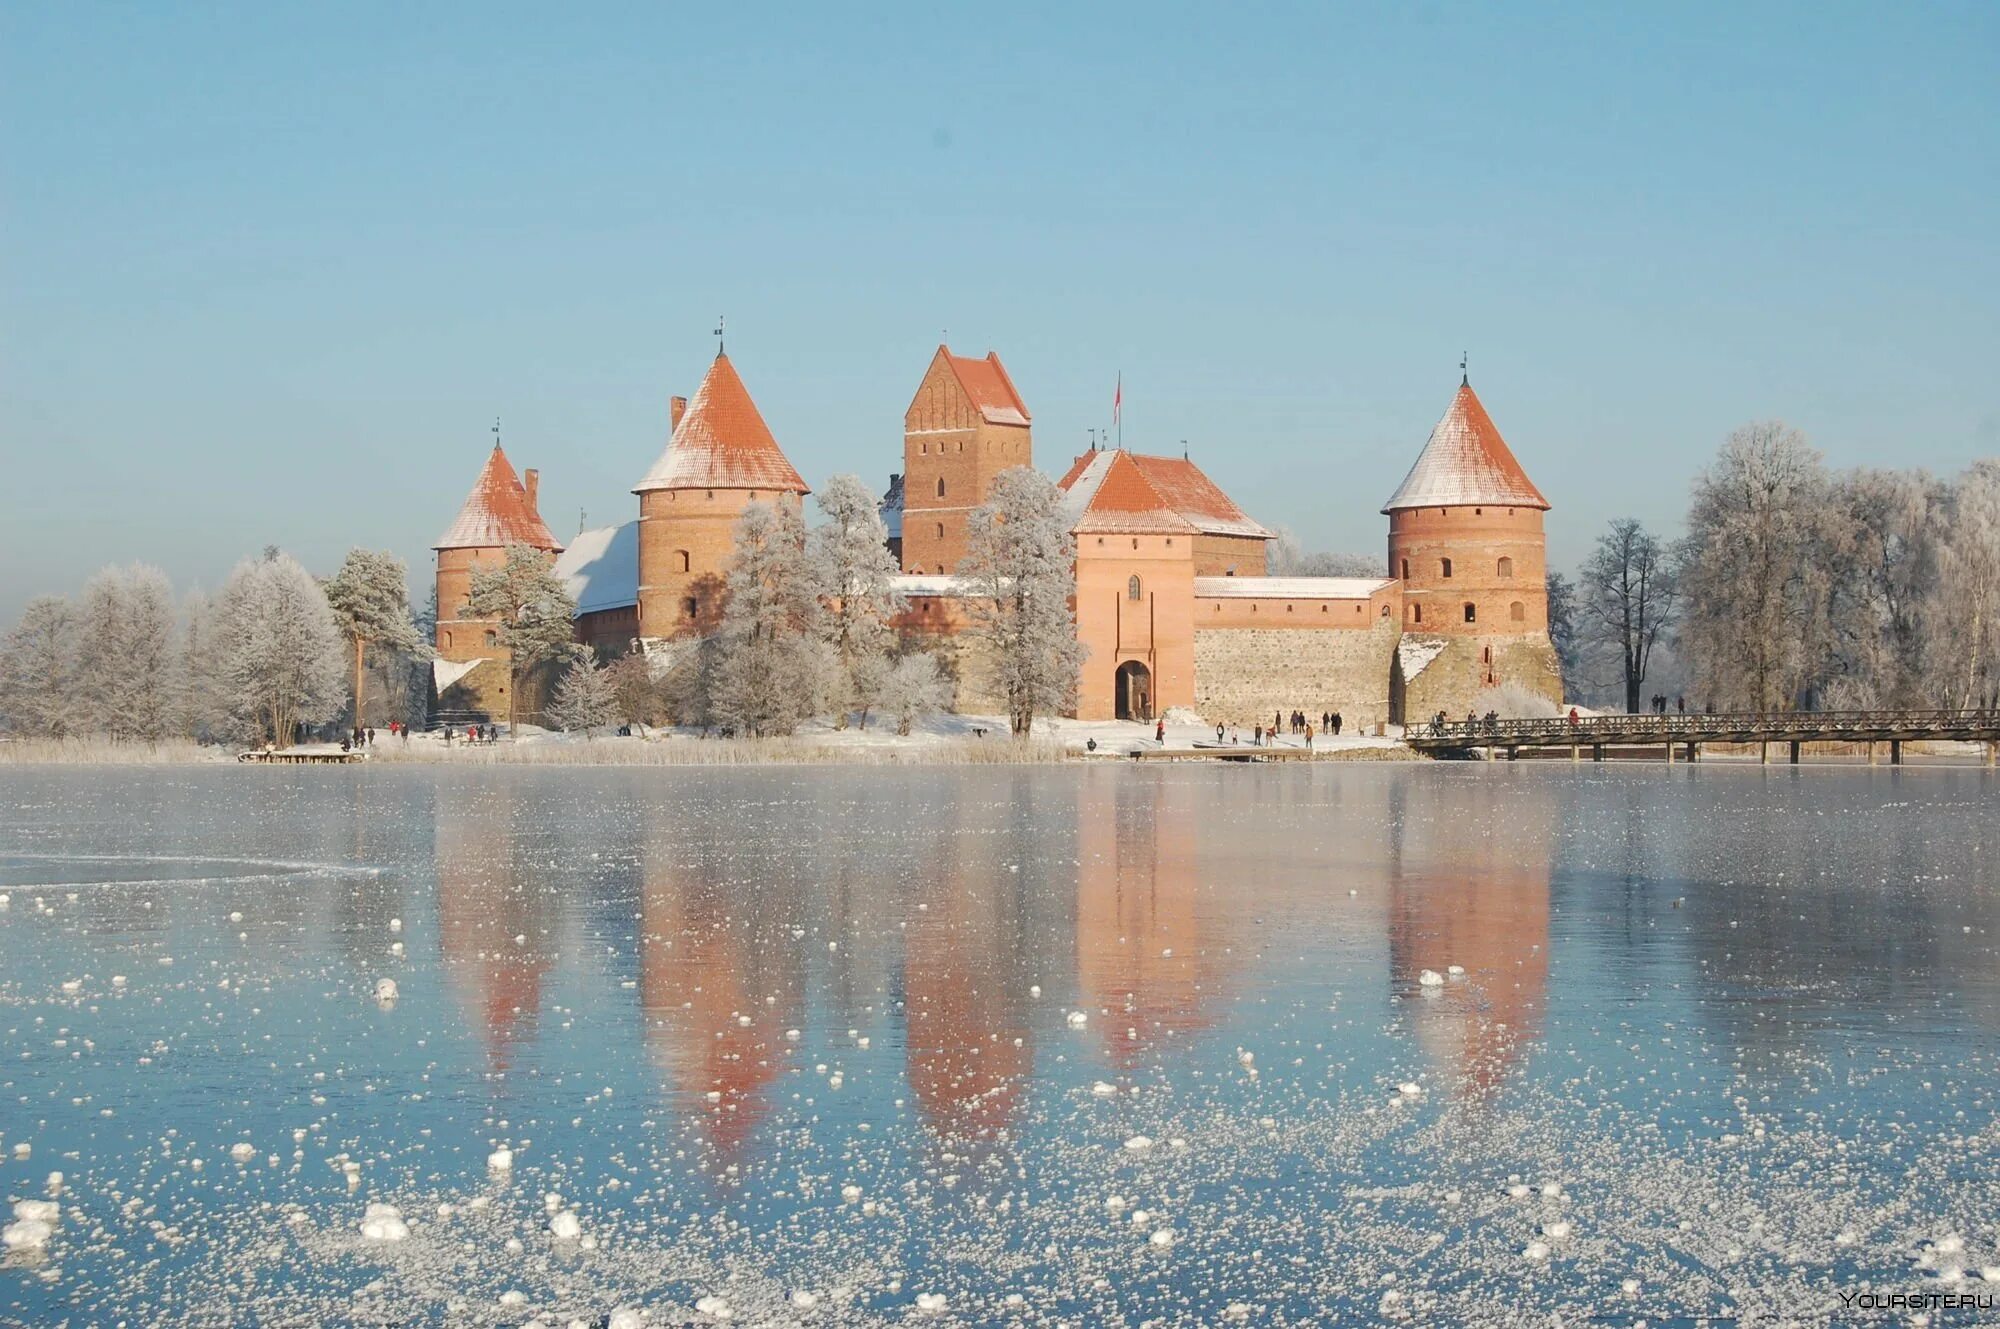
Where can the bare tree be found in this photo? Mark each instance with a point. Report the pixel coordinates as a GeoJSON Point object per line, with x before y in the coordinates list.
{"type": "Point", "coordinates": [1628, 592]}
{"type": "Point", "coordinates": [1021, 559]}
{"type": "Point", "coordinates": [1961, 647]}
{"type": "Point", "coordinates": [38, 667]}
{"type": "Point", "coordinates": [536, 616]}
{"type": "Point", "coordinates": [370, 596]}
{"type": "Point", "coordinates": [916, 685]}
{"type": "Point", "coordinates": [1285, 556]}
{"type": "Point", "coordinates": [1746, 566]}
{"type": "Point", "coordinates": [1563, 628]}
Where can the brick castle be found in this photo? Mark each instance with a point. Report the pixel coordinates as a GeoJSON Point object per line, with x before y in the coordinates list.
{"type": "Point", "coordinates": [1172, 596]}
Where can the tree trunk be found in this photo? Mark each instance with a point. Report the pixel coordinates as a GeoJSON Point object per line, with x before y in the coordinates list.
{"type": "Point", "coordinates": [513, 691]}
{"type": "Point", "coordinates": [359, 647]}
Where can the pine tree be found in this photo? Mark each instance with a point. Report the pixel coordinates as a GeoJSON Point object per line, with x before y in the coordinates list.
{"type": "Point", "coordinates": [585, 698]}
{"type": "Point", "coordinates": [850, 554]}
{"type": "Point", "coordinates": [370, 596]}
{"type": "Point", "coordinates": [772, 662]}
{"type": "Point", "coordinates": [282, 661]}
{"type": "Point", "coordinates": [1021, 558]}
{"type": "Point", "coordinates": [38, 670]}
{"type": "Point", "coordinates": [536, 617]}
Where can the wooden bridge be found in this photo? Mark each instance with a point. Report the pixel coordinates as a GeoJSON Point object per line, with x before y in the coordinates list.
{"type": "Point", "coordinates": [1664, 734]}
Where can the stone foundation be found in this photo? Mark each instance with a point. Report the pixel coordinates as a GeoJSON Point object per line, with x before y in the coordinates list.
{"type": "Point", "coordinates": [1245, 675]}
{"type": "Point", "coordinates": [1460, 671]}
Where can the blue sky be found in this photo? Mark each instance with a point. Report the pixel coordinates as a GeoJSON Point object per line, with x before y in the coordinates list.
{"type": "Point", "coordinates": [269, 272]}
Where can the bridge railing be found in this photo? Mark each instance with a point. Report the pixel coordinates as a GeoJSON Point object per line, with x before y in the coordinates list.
{"type": "Point", "coordinates": [1664, 728]}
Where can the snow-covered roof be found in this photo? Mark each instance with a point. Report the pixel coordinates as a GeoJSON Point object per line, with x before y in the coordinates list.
{"type": "Point", "coordinates": [1414, 654]}
{"type": "Point", "coordinates": [934, 584]}
{"type": "Point", "coordinates": [498, 512]}
{"type": "Point", "coordinates": [722, 442]}
{"type": "Point", "coordinates": [444, 673]}
{"type": "Point", "coordinates": [1116, 490]}
{"type": "Point", "coordinates": [600, 569]}
{"type": "Point", "coordinates": [988, 387]}
{"type": "Point", "coordinates": [1466, 461]}
{"type": "Point", "coordinates": [1288, 588]}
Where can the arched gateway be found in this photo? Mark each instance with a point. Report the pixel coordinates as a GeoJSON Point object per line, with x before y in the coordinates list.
{"type": "Point", "coordinates": [1133, 692]}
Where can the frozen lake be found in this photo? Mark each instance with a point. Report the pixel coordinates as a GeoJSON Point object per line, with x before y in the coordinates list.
{"type": "Point", "coordinates": [978, 1045]}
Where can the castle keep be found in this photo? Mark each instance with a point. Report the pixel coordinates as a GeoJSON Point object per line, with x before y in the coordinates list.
{"type": "Point", "coordinates": [1172, 597]}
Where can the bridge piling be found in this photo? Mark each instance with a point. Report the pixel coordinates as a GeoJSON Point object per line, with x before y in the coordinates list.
{"type": "Point", "coordinates": [1895, 752]}
{"type": "Point", "coordinates": [1992, 754]}
{"type": "Point", "coordinates": [1795, 752]}
{"type": "Point", "coordinates": [1763, 754]}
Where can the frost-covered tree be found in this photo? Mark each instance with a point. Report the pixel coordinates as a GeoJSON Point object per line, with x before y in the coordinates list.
{"type": "Point", "coordinates": [1961, 619]}
{"type": "Point", "coordinates": [849, 551]}
{"type": "Point", "coordinates": [914, 686]}
{"type": "Point", "coordinates": [1021, 560]}
{"type": "Point", "coordinates": [38, 671]}
{"type": "Point", "coordinates": [1629, 591]}
{"type": "Point", "coordinates": [772, 661]}
{"type": "Point", "coordinates": [1287, 557]}
{"type": "Point", "coordinates": [586, 698]}
{"type": "Point", "coordinates": [536, 617]}
{"type": "Point", "coordinates": [370, 596]}
{"type": "Point", "coordinates": [201, 697]}
{"type": "Point", "coordinates": [1746, 569]}
{"type": "Point", "coordinates": [125, 652]}
{"type": "Point", "coordinates": [281, 654]}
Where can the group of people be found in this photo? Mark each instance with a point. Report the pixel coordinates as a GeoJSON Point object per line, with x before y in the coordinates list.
{"type": "Point", "coordinates": [1660, 704]}
{"type": "Point", "coordinates": [473, 733]}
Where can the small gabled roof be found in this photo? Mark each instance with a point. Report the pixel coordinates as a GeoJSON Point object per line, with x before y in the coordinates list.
{"type": "Point", "coordinates": [1115, 490]}
{"type": "Point", "coordinates": [1466, 461]}
{"type": "Point", "coordinates": [600, 569]}
{"type": "Point", "coordinates": [497, 513]}
{"type": "Point", "coordinates": [987, 387]}
{"type": "Point", "coordinates": [722, 442]}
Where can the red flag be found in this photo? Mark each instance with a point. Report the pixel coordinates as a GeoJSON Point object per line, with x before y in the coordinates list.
{"type": "Point", "coordinates": [1118, 397]}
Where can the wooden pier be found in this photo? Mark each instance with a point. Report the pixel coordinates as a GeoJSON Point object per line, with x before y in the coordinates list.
{"type": "Point", "coordinates": [300, 756]}
{"type": "Point", "coordinates": [1678, 737]}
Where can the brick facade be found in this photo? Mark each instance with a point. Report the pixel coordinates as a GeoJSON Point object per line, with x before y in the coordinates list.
{"type": "Point", "coordinates": [959, 432]}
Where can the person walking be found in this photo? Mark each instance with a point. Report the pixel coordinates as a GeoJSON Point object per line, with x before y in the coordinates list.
{"type": "Point", "coordinates": [1160, 732]}
{"type": "Point", "coordinates": [1335, 726]}
{"type": "Point", "coordinates": [1257, 739]}
{"type": "Point", "coordinates": [1309, 737]}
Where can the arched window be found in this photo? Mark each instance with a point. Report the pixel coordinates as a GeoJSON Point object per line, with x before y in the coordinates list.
{"type": "Point", "coordinates": [1444, 567]}
{"type": "Point", "coordinates": [1416, 613]}
{"type": "Point", "coordinates": [1406, 569]}
{"type": "Point", "coordinates": [680, 560]}
{"type": "Point", "coordinates": [447, 641]}
{"type": "Point", "coordinates": [940, 530]}
{"type": "Point", "coordinates": [1518, 612]}
{"type": "Point", "coordinates": [940, 486]}
{"type": "Point", "coordinates": [1385, 610]}
{"type": "Point", "coordinates": [1471, 612]}
{"type": "Point", "coordinates": [492, 638]}
{"type": "Point", "coordinates": [1132, 588]}
{"type": "Point", "coordinates": [1506, 567]}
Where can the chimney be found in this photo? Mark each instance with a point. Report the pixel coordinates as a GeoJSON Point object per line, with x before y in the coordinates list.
{"type": "Point", "coordinates": [532, 479]}
{"type": "Point", "coordinates": [676, 408]}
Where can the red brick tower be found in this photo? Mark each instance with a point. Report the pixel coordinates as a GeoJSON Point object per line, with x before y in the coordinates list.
{"type": "Point", "coordinates": [500, 511]}
{"type": "Point", "coordinates": [965, 425]}
{"type": "Point", "coordinates": [721, 459]}
{"type": "Point", "coordinates": [1465, 533]}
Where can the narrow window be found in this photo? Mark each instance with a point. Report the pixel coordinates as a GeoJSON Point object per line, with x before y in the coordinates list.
{"type": "Point", "coordinates": [680, 560]}
{"type": "Point", "coordinates": [691, 607]}
{"type": "Point", "coordinates": [1471, 613]}
{"type": "Point", "coordinates": [1132, 588]}
{"type": "Point", "coordinates": [1518, 612]}
{"type": "Point", "coordinates": [1406, 569]}
{"type": "Point", "coordinates": [492, 639]}
{"type": "Point", "coordinates": [1506, 567]}
{"type": "Point", "coordinates": [940, 530]}
{"type": "Point", "coordinates": [447, 641]}
{"type": "Point", "coordinates": [1416, 613]}
{"type": "Point", "coordinates": [1444, 567]}
{"type": "Point", "coordinates": [940, 486]}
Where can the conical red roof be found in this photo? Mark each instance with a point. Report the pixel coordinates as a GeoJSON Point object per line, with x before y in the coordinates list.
{"type": "Point", "coordinates": [722, 442]}
{"type": "Point", "coordinates": [1466, 461]}
{"type": "Point", "coordinates": [497, 513]}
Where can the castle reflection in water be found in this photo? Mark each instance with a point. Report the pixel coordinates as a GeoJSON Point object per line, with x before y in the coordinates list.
{"type": "Point", "coordinates": [1148, 901]}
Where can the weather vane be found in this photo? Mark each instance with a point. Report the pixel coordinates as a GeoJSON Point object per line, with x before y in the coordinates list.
{"type": "Point", "coordinates": [718, 334]}
{"type": "Point", "coordinates": [1464, 379]}
{"type": "Point", "coordinates": [496, 431]}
